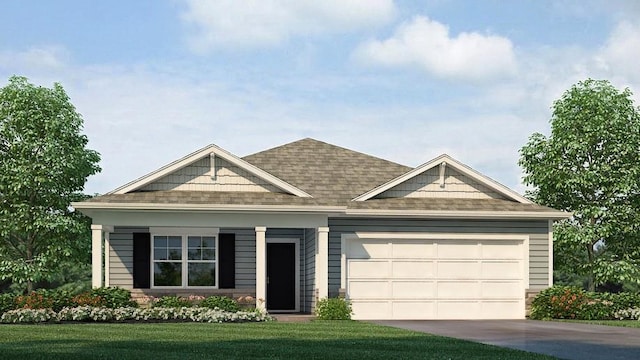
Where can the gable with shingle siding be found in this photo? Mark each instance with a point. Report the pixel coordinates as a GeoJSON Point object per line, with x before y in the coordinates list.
{"type": "Point", "coordinates": [427, 185]}
{"type": "Point", "coordinates": [198, 177]}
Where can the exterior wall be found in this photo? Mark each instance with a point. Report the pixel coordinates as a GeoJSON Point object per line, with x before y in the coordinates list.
{"type": "Point", "coordinates": [121, 256]}
{"type": "Point", "coordinates": [245, 256]}
{"type": "Point", "coordinates": [537, 231]}
{"type": "Point", "coordinates": [309, 291]}
{"type": "Point", "coordinates": [197, 177]}
{"type": "Point", "coordinates": [427, 185]}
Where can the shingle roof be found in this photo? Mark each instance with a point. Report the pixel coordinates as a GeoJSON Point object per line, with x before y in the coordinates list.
{"type": "Point", "coordinates": [332, 175]}
{"type": "Point", "coordinates": [326, 171]}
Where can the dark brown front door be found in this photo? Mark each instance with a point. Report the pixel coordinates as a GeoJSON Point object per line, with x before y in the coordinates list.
{"type": "Point", "coordinates": [281, 276]}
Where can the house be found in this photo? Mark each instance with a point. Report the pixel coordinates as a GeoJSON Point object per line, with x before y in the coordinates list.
{"type": "Point", "coordinates": [309, 220]}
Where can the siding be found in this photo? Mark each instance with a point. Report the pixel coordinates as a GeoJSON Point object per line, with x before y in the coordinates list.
{"type": "Point", "coordinates": [309, 292]}
{"type": "Point", "coordinates": [427, 185]}
{"type": "Point", "coordinates": [537, 231]}
{"type": "Point", "coordinates": [245, 256]}
{"type": "Point", "coordinates": [121, 256]}
{"type": "Point", "coordinates": [197, 177]}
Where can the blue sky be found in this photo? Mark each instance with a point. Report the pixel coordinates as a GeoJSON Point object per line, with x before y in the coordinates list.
{"type": "Point", "coordinates": [402, 80]}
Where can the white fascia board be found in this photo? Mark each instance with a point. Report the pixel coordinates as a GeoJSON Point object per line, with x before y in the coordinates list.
{"type": "Point", "coordinates": [466, 170]}
{"type": "Point", "coordinates": [199, 154]}
{"type": "Point", "coordinates": [208, 207]}
{"type": "Point", "coordinates": [549, 215]}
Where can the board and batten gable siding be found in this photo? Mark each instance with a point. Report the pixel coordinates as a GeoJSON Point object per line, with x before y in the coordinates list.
{"type": "Point", "coordinates": [537, 230]}
{"type": "Point", "coordinates": [427, 185]}
{"type": "Point", "coordinates": [197, 177]}
{"type": "Point", "coordinates": [309, 290]}
{"type": "Point", "coordinates": [121, 256]}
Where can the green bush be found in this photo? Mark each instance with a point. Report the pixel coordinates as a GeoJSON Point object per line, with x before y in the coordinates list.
{"type": "Point", "coordinates": [172, 302]}
{"type": "Point", "coordinates": [220, 302]}
{"type": "Point", "coordinates": [333, 309]}
{"type": "Point", "coordinates": [7, 302]}
{"type": "Point", "coordinates": [570, 302]}
{"type": "Point", "coordinates": [112, 297]}
{"type": "Point", "coordinates": [44, 299]}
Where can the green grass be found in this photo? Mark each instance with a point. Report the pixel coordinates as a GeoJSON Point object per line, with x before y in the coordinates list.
{"type": "Point", "coordinates": [622, 323]}
{"type": "Point", "coordinates": [314, 340]}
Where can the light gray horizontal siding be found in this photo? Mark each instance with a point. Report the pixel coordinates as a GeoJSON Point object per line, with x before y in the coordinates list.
{"type": "Point", "coordinates": [245, 256]}
{"type": "Point", "coordinates": [121, 256]}
{"type": "Point", "coordinates": [536, 229]}
{"type": "Point", "coordinates": [308, 292]}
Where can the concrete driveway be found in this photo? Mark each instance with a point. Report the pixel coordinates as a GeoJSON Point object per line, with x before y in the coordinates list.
{"type": "Point", "coordinates": [563, 340]}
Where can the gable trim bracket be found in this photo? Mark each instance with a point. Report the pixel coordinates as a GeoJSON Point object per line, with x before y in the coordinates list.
{"type": "Point", "coordinates": [443, 161]}
{"type": "Point", "coordinates": [214, 152]}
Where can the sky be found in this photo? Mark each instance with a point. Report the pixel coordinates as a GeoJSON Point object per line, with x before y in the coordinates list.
{"type": "Point", "coordinates": [402, 80]}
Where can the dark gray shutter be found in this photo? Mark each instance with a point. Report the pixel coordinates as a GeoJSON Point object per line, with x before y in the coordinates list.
{"type": "Point", "coordinates": [141, 260]}
{"type": "Point", "coordinates": [227, 261]}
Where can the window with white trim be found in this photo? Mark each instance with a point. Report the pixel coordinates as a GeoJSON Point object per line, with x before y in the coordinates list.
{"type": "Point", "coordinates": [188, 260]}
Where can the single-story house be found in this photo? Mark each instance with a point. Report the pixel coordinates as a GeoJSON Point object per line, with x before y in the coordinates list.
{"type": "Point", "coordinates": [309, 220]}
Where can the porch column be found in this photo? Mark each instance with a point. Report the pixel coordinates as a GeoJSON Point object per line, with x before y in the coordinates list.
{"type": "Point", "coordinates": [96, 255]}
{"type": "Point", "coordinates": [107, 247]}
{"type": "Point", "coordinates": [261, 267]}
{"type": "Point", "coordinates": [322, 262]}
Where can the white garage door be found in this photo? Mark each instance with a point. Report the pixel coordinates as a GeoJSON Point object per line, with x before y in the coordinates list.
{"type": "Point", "coordinates": [436, 278]}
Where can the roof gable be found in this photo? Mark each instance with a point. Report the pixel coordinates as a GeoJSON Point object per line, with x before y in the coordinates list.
{"type": "Point", "coordinates": [210, 169]}
{"type": "Point", "coordinates": [443, 177]}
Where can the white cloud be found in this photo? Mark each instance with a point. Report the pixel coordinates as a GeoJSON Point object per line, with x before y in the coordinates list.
{"type": "Point", "coordinates": [41, 57]}
{"type": "Point", "coordinates": [619, 56]}
{"type": "Point", "coordinates": [262, 23]}
{"type": "Point", "coordinates": [427, 44]}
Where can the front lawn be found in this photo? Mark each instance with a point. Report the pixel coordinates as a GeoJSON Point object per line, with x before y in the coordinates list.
{"type": "Point", "coordinates": [314, 340]}
{"type": "Point", "coordinates": [623, 323]}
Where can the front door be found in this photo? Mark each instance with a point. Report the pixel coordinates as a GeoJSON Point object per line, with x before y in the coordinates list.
{"type": "Point", "coordinates": [281, 276]}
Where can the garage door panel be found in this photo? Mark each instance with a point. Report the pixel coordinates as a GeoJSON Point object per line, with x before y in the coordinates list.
{"type": "Point", "coordinates": [366, 310]}
{"type": "Point", "coordinates": [367, 269]}
{"type": "Point", "coordinates": [458, 270]}
{"type": "Point", "coordinates": [370, 289]}
{"type": "Point", "coordinates": [458, 290]}
{"type": "Point", "coordinates": [501, 270]}
{"type": "Point", "coordinates": [412, 249]}
{"type": "Point", "coordinates": [413, 289]}
{"type": "Point", "coordinates": [415, 310]}
{"type": "Point", "coordinates": [501, 250]}
{"type": "Point", "coordinates": [502, 309]}
{"type": "Point", "coordinates": [501, 290]}
{"type": "Point", "coordinates": [402, 269]}
{"type": "Point", "coordinates": [456, 309]}
{"type": "Point", "coordinates": [370, 249]}
{"type": "Point", "coordinates": [458, 249]}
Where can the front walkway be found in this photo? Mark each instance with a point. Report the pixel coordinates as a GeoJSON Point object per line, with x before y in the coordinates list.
{"type": "Point", "coordinates": [560, 339]}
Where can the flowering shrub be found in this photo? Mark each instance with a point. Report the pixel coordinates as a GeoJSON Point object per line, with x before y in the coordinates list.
{"type": "Point", "coordinates": [113, 297]}
{"type": "Point", "coordinates": [628, 314]}
{"type": "Point", "coordinates": [34, 300]}
{"type": "Point", "coordinates": [333, 309]}
{"type": "Point", "coordinates": [172, 301]}
{"type": "Point", "coordinates": [566, 302]}
{"type": "Point", "coordinates": [103, 314]}
{"type": "Point", "coordinates": [28, 316]}
{"type": "Point", "coordinates": [86, 299]}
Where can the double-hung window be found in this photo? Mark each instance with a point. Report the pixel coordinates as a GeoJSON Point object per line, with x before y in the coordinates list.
{"type": "Point", "coordinates": [184, 257]}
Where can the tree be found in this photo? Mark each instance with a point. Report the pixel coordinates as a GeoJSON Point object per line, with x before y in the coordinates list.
{"type": "Point", "coordinates": [44, 164]}
{"type": "Point", "coordinates": [590, 165]}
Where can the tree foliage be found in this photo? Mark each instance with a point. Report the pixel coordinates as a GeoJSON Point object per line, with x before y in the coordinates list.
{"type": "Point", "coordinates": [589, 165]}
{"type": "Point", "coordinates": [44, 164]}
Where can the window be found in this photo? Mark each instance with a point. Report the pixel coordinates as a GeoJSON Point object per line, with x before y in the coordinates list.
{"type": "Point", "coordinates": [188, 260]}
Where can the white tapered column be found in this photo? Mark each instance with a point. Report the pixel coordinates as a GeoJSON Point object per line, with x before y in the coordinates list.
{"type": "Point", "coordinates": [261, 267]}
{"type": "Point", "coordinates": [322, 262]}
{"type": "Point", "coordinates": [96, 255]}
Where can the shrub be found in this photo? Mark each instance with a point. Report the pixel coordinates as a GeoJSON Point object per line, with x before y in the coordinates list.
{"type": "Point", "coordinates": [86, 299]}
{"type": "Point", "coordinates": [559, 302]}
{"type": "Point", "coordinates": [7, 302]}
{"type": "Point", "coordinates": [26, 316]}
{"type": "Point", "coordinates": [628, 314]}
{"type": "Point", "coordinates": [113, 297]}
{"type": "Point", "coordinates": [172, 301]}
{"type": "Point", "coordinates": [333, 309]}
{"type": "Point", "coordinates": [221, 303]}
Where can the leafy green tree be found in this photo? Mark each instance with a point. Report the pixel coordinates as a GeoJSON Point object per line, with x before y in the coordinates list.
{"type": "Point", "coordinates": [44, 164]}
{"type": "Point", "coordinates": [590, 165]}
